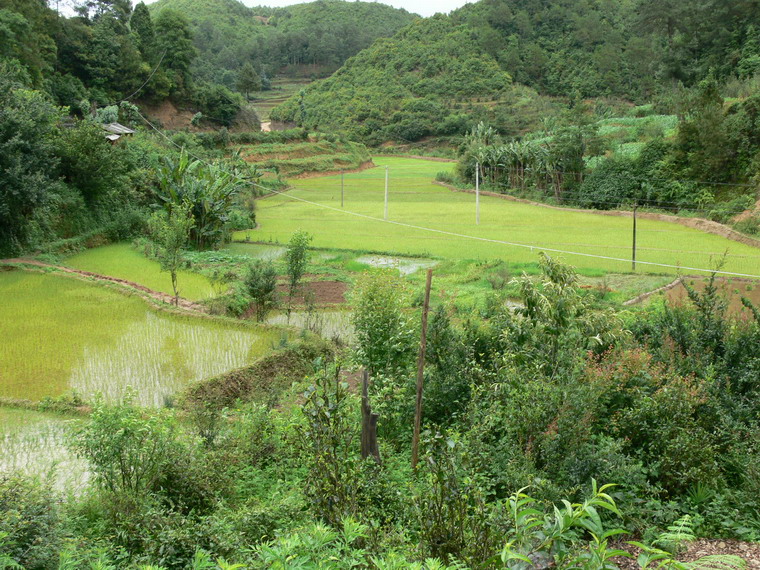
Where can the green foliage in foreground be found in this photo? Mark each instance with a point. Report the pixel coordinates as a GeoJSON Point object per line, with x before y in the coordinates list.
{"type": "Point", "coordinates": [669, 409]}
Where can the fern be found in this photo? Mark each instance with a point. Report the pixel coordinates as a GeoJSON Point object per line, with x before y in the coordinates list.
{"type": "Point", "coordinates": [678, 534]}
{"type": "Point", "coordinates": [673, 541]}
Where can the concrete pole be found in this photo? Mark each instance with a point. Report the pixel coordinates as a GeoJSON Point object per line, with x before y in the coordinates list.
{"type": "Point", "coordinates": [386, 192]}
{"type": "Point", "coordinates": [477, 194]}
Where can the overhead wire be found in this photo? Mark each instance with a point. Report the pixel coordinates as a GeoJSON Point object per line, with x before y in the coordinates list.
{"type": "Point", "coordinates": [149, 77]}
{"type": "Point", "coordinates": [456, 234]}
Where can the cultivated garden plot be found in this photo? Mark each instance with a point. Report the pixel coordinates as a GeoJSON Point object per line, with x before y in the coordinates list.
{"type": "Point", "coordinates": [314, 205]}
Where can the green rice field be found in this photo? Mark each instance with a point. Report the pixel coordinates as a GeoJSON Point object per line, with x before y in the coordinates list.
{"type": "Point", "coordinates": [416, 201]}
{"type": "Point", "coordinates": [72, 335]}
{"type": "Point", "coordinates": [121, 260]}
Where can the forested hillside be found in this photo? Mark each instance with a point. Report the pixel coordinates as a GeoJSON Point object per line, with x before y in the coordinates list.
{"type": "Point", "coordinates": [406, 87]}
{"type": "Point", "coordinates": [634, 50]}
{"type": "Point", "coordinates": [322, 34]}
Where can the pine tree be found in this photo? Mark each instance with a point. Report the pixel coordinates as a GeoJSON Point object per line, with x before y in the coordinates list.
{"type": "Point", "coordinates": [248, 80]}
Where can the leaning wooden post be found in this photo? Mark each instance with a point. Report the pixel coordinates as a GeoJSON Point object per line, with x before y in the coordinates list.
{"type": "Point", "coordinates": [420, 371]}
{"type": "Point", "coordinates": [369, 423]}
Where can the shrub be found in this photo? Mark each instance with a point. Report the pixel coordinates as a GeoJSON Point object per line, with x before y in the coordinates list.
{"type": "Point", "coordinates": [261, 283]}
{"type": "Point", "coordinates": [385, 334]}
{"type": "Point", "coordinates": [297, 258]}
{"type": "Point", "coordinates": [749, 225]}
{"type": "Point", "coordinates": [29, 523]}
{"type": "Point", "coordinates": [328, 440]}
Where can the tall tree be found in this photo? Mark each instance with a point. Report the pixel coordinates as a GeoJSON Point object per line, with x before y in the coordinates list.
{"type": "Point", "coordinates": [248, 80]}
{"type": "Point", "coordinates": [141, 24]}
{"type": "Point", "coordinates": [28, 127]}
{"type": "Point", "coordinates": [26, 30]}
{"type": "Point", "coordinates": [175, 40]}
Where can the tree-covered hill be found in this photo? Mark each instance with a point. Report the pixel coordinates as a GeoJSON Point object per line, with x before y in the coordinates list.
{"type": "Point", "coordinates": [633, 50]}
{"type": "Point", "coordinates": [403, 87]}
{"type": "Point", "coordinates": [322, 34]}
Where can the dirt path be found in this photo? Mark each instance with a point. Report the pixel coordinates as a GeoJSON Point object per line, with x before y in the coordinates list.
{"type": "Point", "coordinates": [143, 291]}
{"type": "Point", "coordinates": [748, 551]}
{"type": "Point", "coordinates": [749, 212]}
{"type": "Point", "coordinates": [363, 166]}
{"type": "Point", "coordinates": [701, 224]}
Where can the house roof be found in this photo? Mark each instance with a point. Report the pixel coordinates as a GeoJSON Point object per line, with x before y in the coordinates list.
{"type": "Point", "coordinates": [118, 129]}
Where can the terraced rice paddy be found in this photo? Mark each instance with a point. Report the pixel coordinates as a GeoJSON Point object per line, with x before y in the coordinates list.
{"type": "Point", "coordinates": [121, 260]}
{"type": "Point", "coordinates": [414, 200]}
{"type": "Point", "coordinates": [71, 335]}
{"type": "Point", "coordinates": [34, 443]}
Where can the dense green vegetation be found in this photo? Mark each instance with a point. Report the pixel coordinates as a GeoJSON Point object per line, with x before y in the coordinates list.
{"type": "Point", "coordinates": [553, 422]}
{"type": "Point", "coordinates": [636, 50]}
{"type": "Point", "coordinates": [703, 163]}
{"type": "Point", "coordinates": [251, 470]}
{"type": "Point", "coordinates": [401, 87]}
{"type": "Point", "coordinates": [316, 36]}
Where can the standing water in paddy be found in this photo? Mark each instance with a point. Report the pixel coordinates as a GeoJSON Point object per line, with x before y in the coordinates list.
{"type": "Point", "coordinates": [62, 334]}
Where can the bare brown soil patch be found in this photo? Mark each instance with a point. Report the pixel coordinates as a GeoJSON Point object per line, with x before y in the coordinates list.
{"type": "Point", "coordinates": [749, 551]}
{"type": "Point", "coordinates": [732, 289]}
{"type": "Point", "coordinates": [320, 293]}
{"type": "Point", "coordinates": [169, 116]}
{"type": "Point", "coordinates": [697, 223]}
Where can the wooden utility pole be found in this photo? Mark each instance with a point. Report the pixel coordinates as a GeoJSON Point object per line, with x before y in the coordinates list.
{"type": "Point", "coordinates": [420, 371]}
{"type": "Point", "coordinates": [477, 194]}
{"type": "Point", "coordinates": [369, 423]}
{"type": "Point", "coordinates": [386, 192]}
{"type": "Point", "coordinates": [341, 188]}
{"type": "Point", "coordinates": [633, 256]}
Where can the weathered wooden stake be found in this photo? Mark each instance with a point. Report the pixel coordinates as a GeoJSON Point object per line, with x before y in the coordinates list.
{"type": "Point", "coordinates": [420, 371]}
{"type": "Point", "coordinates": [369, 423]}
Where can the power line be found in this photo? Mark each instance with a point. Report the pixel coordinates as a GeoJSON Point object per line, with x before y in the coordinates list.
{"type": "Point", "coordinates": [501, 242]}
{"type": "Point", "coordinates": [149, 77]}
{"type": "Point", "coordinates": [455, 234]}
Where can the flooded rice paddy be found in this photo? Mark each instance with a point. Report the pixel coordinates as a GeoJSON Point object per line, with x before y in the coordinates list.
{"type": "Point", "coordinates": [334, 325]}
{"type": "Point", "coordinates": [405, 265]}
{"type": "Point", "coordinates": [34, 443]}
{"type": "Point", "coordinates": [61, 334]}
